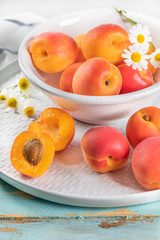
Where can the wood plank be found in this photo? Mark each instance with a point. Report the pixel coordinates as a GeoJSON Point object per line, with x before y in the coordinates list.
{"type": "Point", "coordinates": [79, 229]}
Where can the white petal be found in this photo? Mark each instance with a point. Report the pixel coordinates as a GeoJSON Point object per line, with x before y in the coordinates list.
{"type": "Point", "coordinates": [128, 63]}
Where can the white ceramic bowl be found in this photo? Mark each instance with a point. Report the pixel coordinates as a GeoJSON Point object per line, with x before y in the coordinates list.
{"type": "Point", "coordinates": [90, 109]}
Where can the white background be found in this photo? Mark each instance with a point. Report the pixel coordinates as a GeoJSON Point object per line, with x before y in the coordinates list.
{"type": "Point", "coordinates": [51, 8]}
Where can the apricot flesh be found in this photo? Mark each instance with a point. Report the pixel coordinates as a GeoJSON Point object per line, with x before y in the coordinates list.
{"type": "Point", "coordinates": [58, 124]}
{"type": "Point", "coordinates": [32, 153]}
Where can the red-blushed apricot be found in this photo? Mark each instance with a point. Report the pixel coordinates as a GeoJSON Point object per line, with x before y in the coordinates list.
{"type": "Point", "coordinates": [146, 163]}
{"type": "Point", "coordinates": [53, 51]}
{"type": "Point", "coordinates": [143, 124]}
{"type": "Point", "coordinates": [32, 153]}
{"type": "Point", "coordinates": [58, 124]}
{"type": "Point", "coordinates": [67, 77]}
{"type": "Point", "coordinates": [105, 148]}
{"type": "Point", "coordinates": [107, 41]}
{"type": "Point", "coordinates": [78, 40]}
{"type": "Point", "coordinates": [133, 79]}
{"type": "Point", "coordinates": [97, 77]}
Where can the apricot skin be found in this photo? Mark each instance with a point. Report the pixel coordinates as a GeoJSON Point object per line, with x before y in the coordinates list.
{"type": "Point", "coordinates": [58, 124]}
{"type": "Point", "coordinates": [105, 148]}
{"type": "Point", "coordinates": [78, 40]}
{"type": "Point", "coordinates": [107, 41]}
{"type": "Point", "coordinates": [53, 51]}
{"type": "Point", "coordinates": [97, 77]}
{"type": "Point", "coordinates": [146, 163]}
{"type": "Point", "coordinates": [19, 161]}
{"type": "Point", "coordinates": [143, 124]}
{"type": "Point", "coordinates": [134, 80]}
{"type": "Point", "coordinates": [67, 77]}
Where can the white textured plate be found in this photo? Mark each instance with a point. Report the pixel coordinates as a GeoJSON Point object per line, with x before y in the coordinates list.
{"type": "Point", "coordinates": [69, 180]}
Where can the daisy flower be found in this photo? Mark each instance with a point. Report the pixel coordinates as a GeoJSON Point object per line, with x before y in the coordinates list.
{"type": "Point", "coordinates": [13, 99]}
{"type": "Point", "coordinates": [3, 99]}
{"type": "Point", "coordinates": [3, 95]}
{"type": "Point", "coordinates": [155, 58]}
{"type": "Point", "coordinates": [136, 57]}
{"type": "Point", "coordinates": [27, 108]}
{"type": "Point", "coordinates": [140, 35]}
{"type": "Point", "coordinates": [25, 87]}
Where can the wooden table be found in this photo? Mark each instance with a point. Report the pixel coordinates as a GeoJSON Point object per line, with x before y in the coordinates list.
{"type": "Point", "coordinates": [25, 217]}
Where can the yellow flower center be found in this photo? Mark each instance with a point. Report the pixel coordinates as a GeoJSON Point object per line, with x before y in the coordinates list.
{"type": "Point", "coordinates": [29, 111]}
{"type": "Point", "coordinates": [2, 98]}
{"type": "Point", "coordinates": [23, 84]}
{"type": "Point", "coordinates": [12, 102]}
{"type": "Point", "coordinates": [136, 57]}
{"type": "Point", "coordinates": [157, 57]}
{"type": "Point", "coordinates": [140, 38]}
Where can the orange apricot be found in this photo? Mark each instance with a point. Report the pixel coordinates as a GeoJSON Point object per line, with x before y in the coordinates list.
{"type": "Point", "coordinates": [58, 124]}
{"type": "Point", "coordinates": [67, 77]}
{"type": "Point", "coordinates": [150, 66]}
{"type": "Point", "coordinates": [32, 153]}
{"type": "Point", "coordinates": [106, 41]}
{"type": "Point", "coordinates": [52, 52]}
{"type": "Point", "coordinates": [78, 40]}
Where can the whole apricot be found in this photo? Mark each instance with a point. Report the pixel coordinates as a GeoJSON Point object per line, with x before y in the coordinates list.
{"type": "Point", "coordinates": [143, 124]}
{"type": "Point", "coordinates": [97, 77]}
{"type": "Point", "coordinates": [53, 51]}
{"type": "Point", "coordinates": [105, 148]}
{"type": "Point", "coordinates": [107, 41]}
{"type": "Point", "coordinates": [146, 163]}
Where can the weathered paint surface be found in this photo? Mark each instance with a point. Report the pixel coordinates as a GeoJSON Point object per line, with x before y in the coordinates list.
{"type": "Point", "coordinates": [23, 216]}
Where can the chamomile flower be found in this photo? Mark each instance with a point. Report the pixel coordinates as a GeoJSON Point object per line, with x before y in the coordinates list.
{"type": "Point", "coordinates": [25, 87]}
{"type": "Point", "coordinates": [3, 99]}
{"type": "Point", "coordinates": [136, 57]}
{"type": "Point", "coordinates": [28, 108]}
{"type": "Point", "coordinates": [13, 100]}
{"type": "Point", "coordinates": [155, 58]}
{"type": "Point", "coordinates": [140, 35]}
{"type": "Point", "coordinates": [3, 95]}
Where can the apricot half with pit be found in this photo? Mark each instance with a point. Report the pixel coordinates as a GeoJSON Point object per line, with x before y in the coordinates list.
{"type": "Point", "coordinates": [58, 124]}
{"type": "Point", "coordinates": [32, 153]}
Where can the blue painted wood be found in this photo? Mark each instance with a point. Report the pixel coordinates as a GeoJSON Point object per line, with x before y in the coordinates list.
{"type": "Point", "coordinates": [25, 217]}
{"type": "Point", "coordinates": [79, 230]}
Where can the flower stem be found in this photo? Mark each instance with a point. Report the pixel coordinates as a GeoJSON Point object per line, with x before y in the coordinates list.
{"type": "Point", "coordinates": [122, 13]}
{"type": "Point", "coordinates": [132, 22]}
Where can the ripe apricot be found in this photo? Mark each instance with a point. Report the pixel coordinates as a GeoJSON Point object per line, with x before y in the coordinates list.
{"type": "Point", "coordinates": [97, 77]}
{"type": "Point", "coordinates": [52, 52]}
{"type": "Point", "coordinates": [58, 124]}
{"type": "Point", "coordinates": [32, 153]}
{"type": "Point", "coordinates": [67, 77]}
{"type": "Point", "coordinates": [78, 40]}
{"type": "Point", "coordinates": [150, 66]}
{"type": "Point", "coordinates": [107, 41]}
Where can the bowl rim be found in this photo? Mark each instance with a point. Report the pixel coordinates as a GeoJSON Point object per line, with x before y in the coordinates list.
{"type": "Point", "coordinates": [96, 100]}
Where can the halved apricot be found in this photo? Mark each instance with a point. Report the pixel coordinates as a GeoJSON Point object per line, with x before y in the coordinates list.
{"type": "Point", "coordinates": [32, 153]}
{"type": "Point", "coordinates": [58, 124]}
